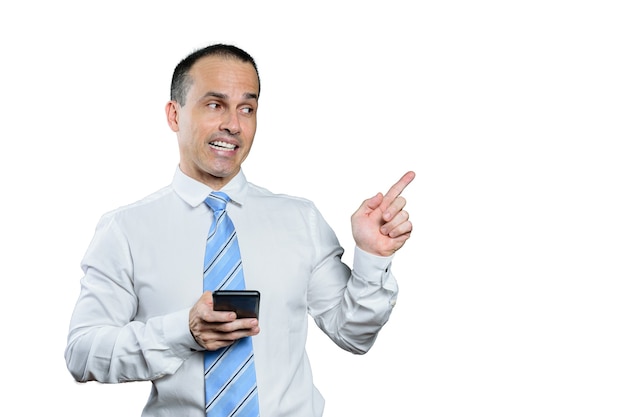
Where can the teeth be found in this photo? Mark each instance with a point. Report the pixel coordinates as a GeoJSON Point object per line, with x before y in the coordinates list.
{"type": "Point", "coordinates": [220, 144]}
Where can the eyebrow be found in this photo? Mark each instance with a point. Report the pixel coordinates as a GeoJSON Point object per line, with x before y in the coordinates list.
{"type": "Point", "coordinates": [247, 96]}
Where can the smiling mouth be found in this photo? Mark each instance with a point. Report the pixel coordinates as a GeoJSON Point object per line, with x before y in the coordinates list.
{"type": "Point", "coordinates": [223, 146]}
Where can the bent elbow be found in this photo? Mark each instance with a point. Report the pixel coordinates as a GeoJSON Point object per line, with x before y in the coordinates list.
{"type": "Point", "coordinates": [76, 364]}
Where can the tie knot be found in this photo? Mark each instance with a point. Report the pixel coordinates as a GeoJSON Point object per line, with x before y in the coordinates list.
{"type": "Point", "coordinates": [217, 201]}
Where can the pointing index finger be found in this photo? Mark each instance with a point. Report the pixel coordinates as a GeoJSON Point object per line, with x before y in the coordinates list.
{"type": "Point", "coordinates": [397, 189]}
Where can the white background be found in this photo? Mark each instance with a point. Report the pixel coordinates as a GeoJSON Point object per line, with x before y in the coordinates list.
{"type": "Point", "coordinates": [512, 114]}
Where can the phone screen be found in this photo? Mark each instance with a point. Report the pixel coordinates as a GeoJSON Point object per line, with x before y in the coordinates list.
{"type": "Point", "coordinates": [245, 303]}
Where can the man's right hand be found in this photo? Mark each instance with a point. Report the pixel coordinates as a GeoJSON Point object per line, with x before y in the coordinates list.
{"type": "Point", "coordinates": [217, 329]}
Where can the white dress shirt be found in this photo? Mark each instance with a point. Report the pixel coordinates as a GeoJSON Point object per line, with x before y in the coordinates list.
{"type": "Point", "coordinates": [143, 271]}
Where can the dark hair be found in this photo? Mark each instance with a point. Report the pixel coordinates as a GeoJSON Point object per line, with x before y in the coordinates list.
{"type": "Point", "coordinates": [181, 80]}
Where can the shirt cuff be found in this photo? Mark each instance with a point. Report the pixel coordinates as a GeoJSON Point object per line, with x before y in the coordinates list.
{"type": "Point", "coordinates": [176, 331]}
{"type": "Point", "coordinates": [371, 268]}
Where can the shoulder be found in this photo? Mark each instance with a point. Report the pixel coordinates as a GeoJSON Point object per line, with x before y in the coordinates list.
{"type": "Point", "coordinates": [262, 196]}
{"type": "Point", "coordinates": [151, 203]}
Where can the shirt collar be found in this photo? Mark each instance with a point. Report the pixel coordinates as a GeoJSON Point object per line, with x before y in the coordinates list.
{"type": "Point", "coordinates": [194, 192]}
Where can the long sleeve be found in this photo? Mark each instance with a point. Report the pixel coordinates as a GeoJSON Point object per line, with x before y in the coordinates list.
{"type": "Point", "coordinates": [107, 342]}
{"type": "Point", "coordinates": [349, 306]}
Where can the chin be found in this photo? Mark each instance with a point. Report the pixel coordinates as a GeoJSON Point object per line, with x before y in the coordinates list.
{"type": "Point", "coordinates": [223, 173]}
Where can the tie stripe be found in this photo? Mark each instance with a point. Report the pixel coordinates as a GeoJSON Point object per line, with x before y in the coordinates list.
{"type": "Point", "coordinates": [230, 376]}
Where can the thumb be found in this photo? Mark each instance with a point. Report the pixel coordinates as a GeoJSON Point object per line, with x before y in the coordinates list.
{"type": "Point", "coordinates": [371, 204]}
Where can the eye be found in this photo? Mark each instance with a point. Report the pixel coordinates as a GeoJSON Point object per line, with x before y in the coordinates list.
{"type": "Point", "coordinates": [247, 110]}
{"type": "Point", "coordinates": [213, 105]}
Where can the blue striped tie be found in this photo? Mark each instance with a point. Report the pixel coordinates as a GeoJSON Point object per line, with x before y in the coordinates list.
{"type": "Point", "coordinates": [229, 373]}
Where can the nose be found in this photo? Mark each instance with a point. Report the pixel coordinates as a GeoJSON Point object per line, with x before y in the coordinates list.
{"type": "Point", "coordinates": [230, 122]}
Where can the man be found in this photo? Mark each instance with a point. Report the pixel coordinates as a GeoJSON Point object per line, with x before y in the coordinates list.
{"type": "Point", "coordinates": [142, 313]}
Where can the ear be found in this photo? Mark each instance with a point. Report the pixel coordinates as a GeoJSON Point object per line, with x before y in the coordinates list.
{"type": "Point", "coordinates": [171, 112]}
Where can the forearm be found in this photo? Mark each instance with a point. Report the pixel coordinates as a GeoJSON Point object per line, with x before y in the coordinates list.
{"type": "Point", "coordinates": [135, 351]}
{"type": "Point", "coordinates": [363, 306]}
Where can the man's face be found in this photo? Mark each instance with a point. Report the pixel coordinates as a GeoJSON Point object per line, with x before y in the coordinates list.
{"type": "Point", "coordinates": [216, 126]}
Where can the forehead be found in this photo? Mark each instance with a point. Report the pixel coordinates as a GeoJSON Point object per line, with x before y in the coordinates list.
{"type": "Point", "coordinates": [225, 75]}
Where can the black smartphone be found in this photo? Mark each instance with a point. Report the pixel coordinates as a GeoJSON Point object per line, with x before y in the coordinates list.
{"type": "Point", "coordinates": [243, 302]}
